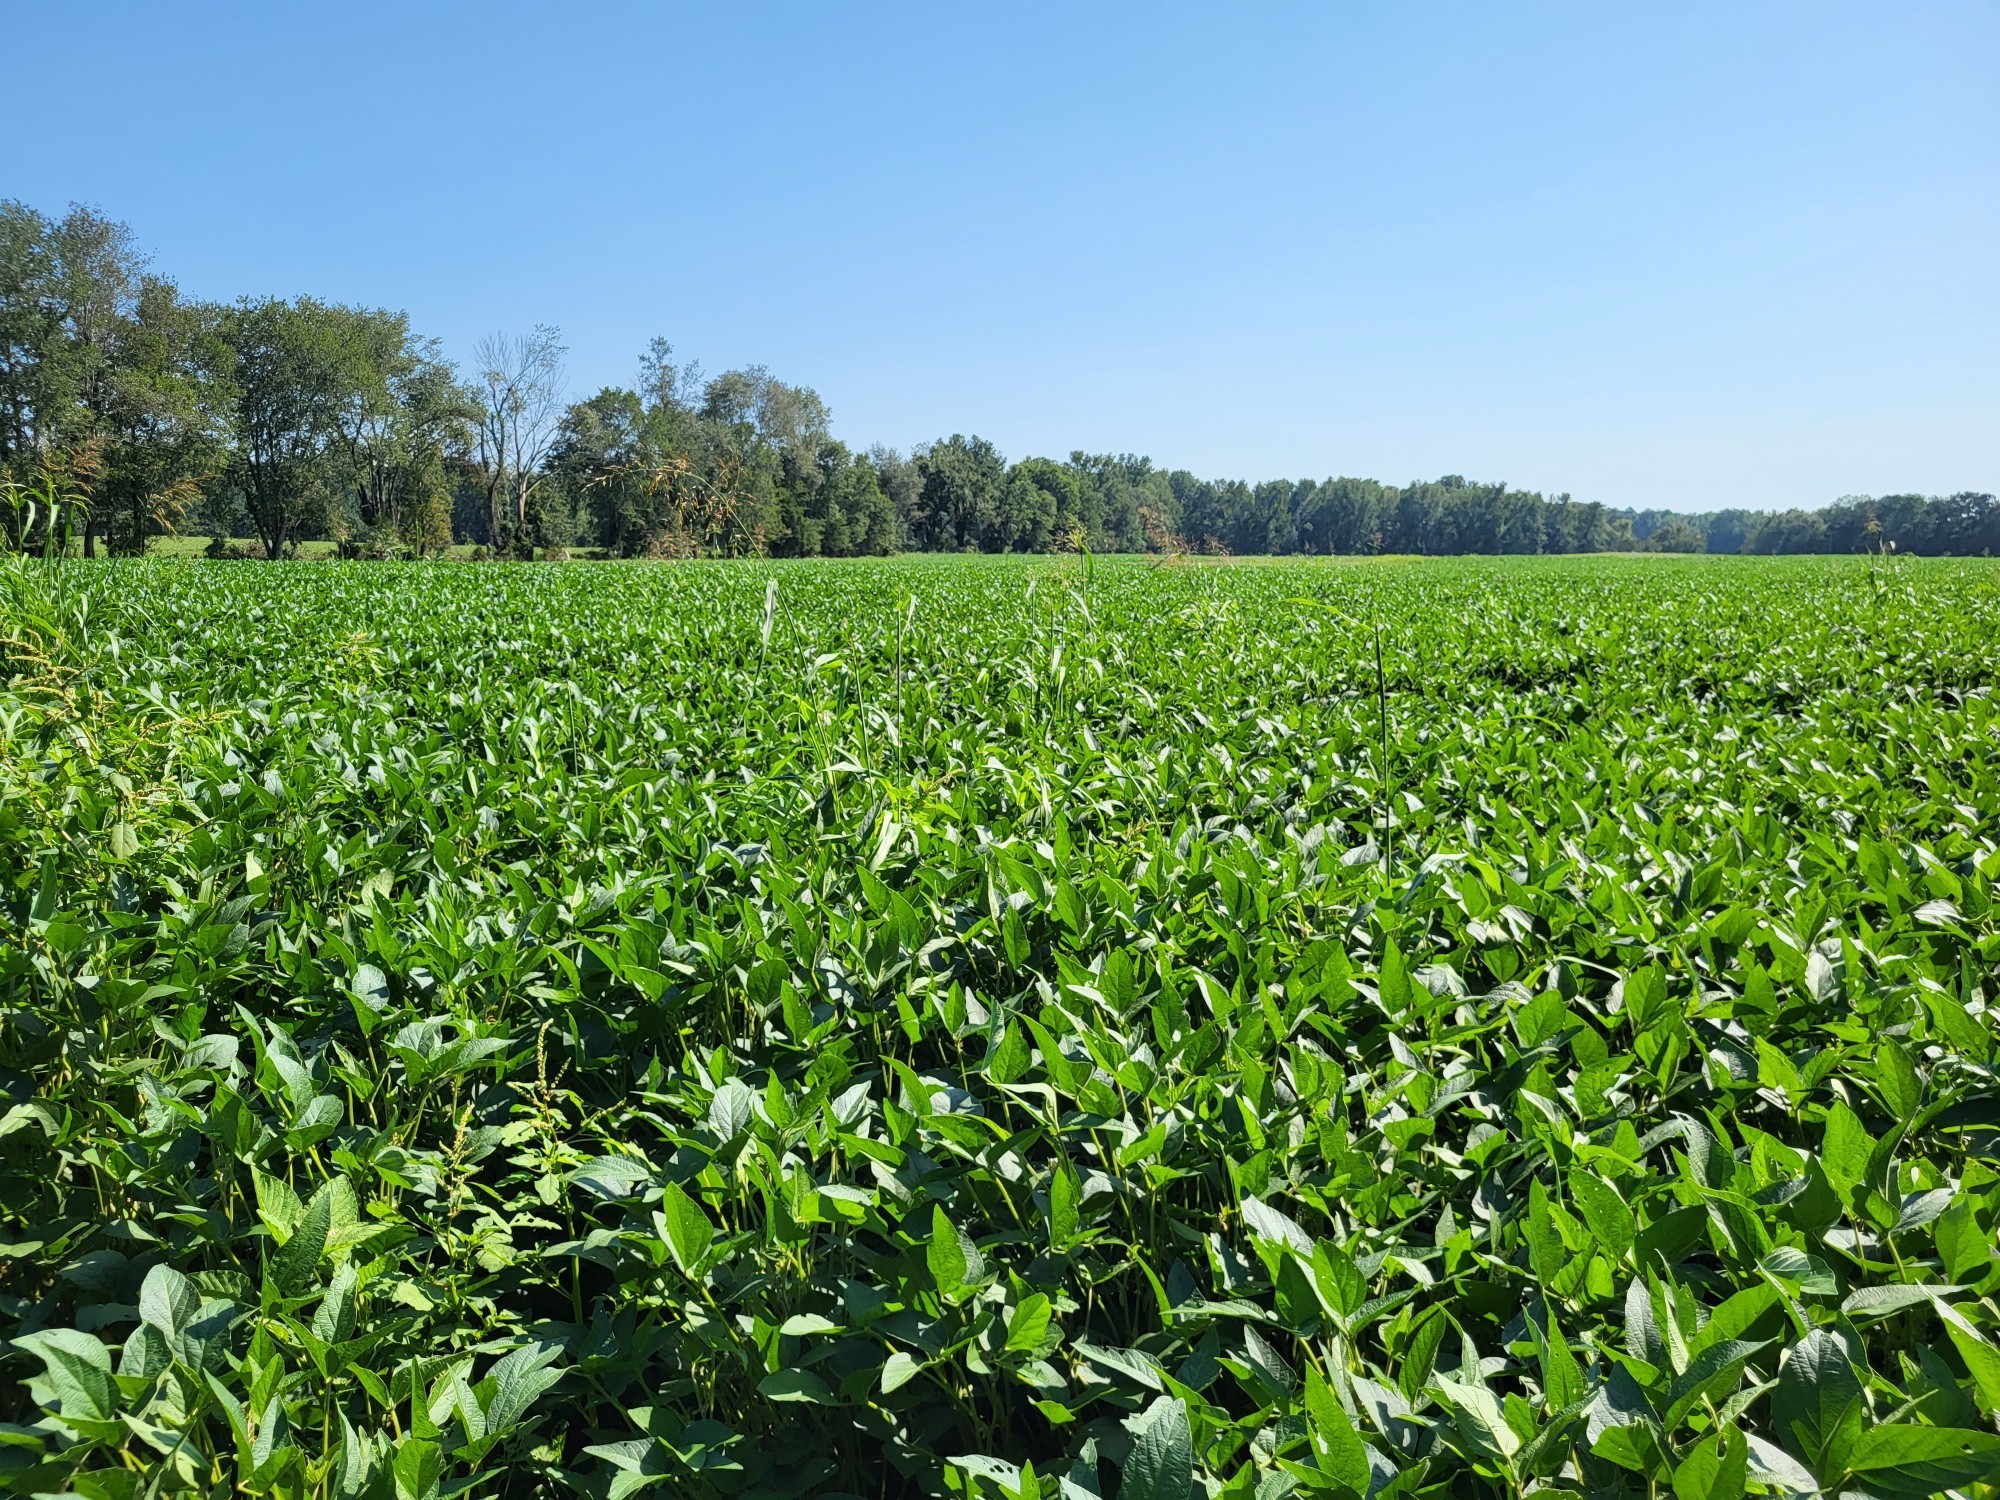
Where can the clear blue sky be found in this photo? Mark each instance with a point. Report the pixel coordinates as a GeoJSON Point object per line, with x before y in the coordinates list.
{"type": "Point", "coordinates": [1684, 254]}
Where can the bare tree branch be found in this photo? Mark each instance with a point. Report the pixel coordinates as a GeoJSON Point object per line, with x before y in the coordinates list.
{"type": "Point", "coordinates": [520, 382]}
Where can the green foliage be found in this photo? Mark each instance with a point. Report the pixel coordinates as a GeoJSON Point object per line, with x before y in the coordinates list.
{"type": "Point", "coordinates": [309, 420]}
{"type": "Point", "coordinates": [1000, 1028]}
{"type": "Point", "coordinates": [293, 379]}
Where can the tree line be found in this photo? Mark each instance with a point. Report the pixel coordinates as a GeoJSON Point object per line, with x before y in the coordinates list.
{"type": "Point", "coordinates": [1959, 525]}
{"type": "Point", "coordinates": [135, 411]}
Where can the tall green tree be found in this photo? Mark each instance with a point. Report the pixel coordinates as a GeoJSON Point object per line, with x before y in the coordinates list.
{"type": "Point", "coordinates": [861, 518]}
{"type": "Point", "coordinates": [771, 439]}
{"type": "Point", "coordinates": [958, 500]}
{"type": "Point", "coordinates": [1676, 536]}
{"type": "Point", "coordinates": [900, 481]}
{"type": "Point", "coordinates": [403, 409]}
{"type": "Point", "coordinates": [1118, 494]}
{"type": "Point", "coordinates": [1352, 515]}
{"type": "Point", "coordinates": [597, 462]}
{"type": "Point", "coordinates": [167, 417]}
{"type": "Point", "coordinates": [299, 369]}
{"type": "Point", "coordinates": [98, 354]}
{"type": "Point", "coordinates": [24, 334]}
{"type": "Point", "coordinates": [1788, 531]}
{"type": "Point", "coordinates": [742, 462]}
{"type": "Point", "coordinates": [1042, 500]}
{"type": "Point", "coordinates": [67, 287]}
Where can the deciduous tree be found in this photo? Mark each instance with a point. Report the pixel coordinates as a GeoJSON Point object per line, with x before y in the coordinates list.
{"type": "Point", "coordinates": [518, 385]}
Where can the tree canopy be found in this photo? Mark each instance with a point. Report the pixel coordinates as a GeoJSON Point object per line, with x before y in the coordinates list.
{"type": "Point", "coordinates": [302, 419]}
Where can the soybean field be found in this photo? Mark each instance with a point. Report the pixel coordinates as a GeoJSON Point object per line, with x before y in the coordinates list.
{"type": "Point", "coordinates": [1048, 1028]}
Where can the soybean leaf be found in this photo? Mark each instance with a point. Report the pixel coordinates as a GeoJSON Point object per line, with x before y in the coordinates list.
{"type": "Point", "coordinates": [1160, 1465]}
